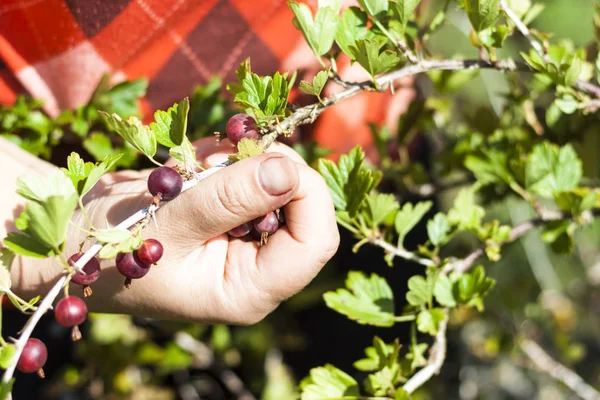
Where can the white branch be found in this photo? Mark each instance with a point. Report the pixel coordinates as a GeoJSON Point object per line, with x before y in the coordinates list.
{"type": "Point", "coordinates": [434, 363]}
{"type": "Point", "coordinates": [523, 29]}
{"type": "Point", "coordinates": [44, 306]}
{"type": "Point", "coordinates": [547, 364]}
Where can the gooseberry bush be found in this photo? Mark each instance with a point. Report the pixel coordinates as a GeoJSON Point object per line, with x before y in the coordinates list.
{"type": "Point", "coordinates": [525, 155]}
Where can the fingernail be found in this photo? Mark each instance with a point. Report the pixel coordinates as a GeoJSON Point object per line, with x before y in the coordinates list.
{"type": "Point", "coordinates": [275, 176]}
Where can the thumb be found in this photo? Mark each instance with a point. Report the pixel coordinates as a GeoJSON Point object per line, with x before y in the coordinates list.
{"type": "Point", "coordinates": [237, 194]}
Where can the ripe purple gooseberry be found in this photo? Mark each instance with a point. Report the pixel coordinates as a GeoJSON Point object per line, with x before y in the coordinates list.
{"type": "Point", "coordinates": [266, 225]}
{"type": "Point", "coordinates": [131, 267]}
{"type": "Point", "coordinates": [165, 181]}
{"type": "Point", "coordinates": [33, 358]}
{"type": "Point", "coordinates": [241, 231]}
{"type": "Point", "coordinates": [150, 251]}
{"type": "Point", "coordinates": [92, 272]}
{"type": "Point", "coordinates": [241, 126]}
{"type": "Point", "coordinates": [70, 312]}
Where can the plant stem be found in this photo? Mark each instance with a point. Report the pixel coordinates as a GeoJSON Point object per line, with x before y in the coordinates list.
{"type": "Point", "coordinates": [85, 214]}
{"type": "Point", "coordinates": [404, 318]}
{"type": "Point", "coordinates": [524, 30]}
{"type": "Point", "coordinates": [435, 361]}
{"type": "Point", "coordinates": [402, 253]}
{"type": "Point", "coordinates": [547, 364]}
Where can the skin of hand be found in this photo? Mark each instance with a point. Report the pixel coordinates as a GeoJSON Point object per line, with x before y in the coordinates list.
{"type": "Point", "coordinates": [204, 275]}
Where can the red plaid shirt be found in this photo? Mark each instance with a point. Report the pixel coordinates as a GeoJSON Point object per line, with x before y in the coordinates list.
{"type": "Point", "coordinates": [57, 50]}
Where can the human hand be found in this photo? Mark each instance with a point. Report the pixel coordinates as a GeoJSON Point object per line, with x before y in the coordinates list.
{"type": "Point", "coordinates": [205, 275]}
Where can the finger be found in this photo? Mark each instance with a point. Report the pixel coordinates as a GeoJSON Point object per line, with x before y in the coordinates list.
{"type": "Point", "coordinates": [211, 152]}
{"type": "Point", "coordinates": [295, 254]}
{"type": "Point", "coordinates": [234, 195]}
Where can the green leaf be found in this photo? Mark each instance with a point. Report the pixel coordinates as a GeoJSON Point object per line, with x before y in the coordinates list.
{"type": "Point", "coordinates": [367, 300]}
{"type": "Point", "coordinates": [76, 169]}
{"type": "Point", "coordinates": [490, 166]}
{"type": "Point", "coordinates": [428, 321]}
{"type": "Point", "coordinates": [416, 355]}
{"type": "Point", "coordinates": [382, 382]}
{"type": "Point", "coordinates": [494, 36]}
{"type": "Point", "coordinates": [328, 383]}
{"type": "Point", "coordinates": [112, 235]}
{"type": "Point", "coordinates": [38, 188]}
{"type": "Point", "coordinates": [483, 14]}
{"type": "Point", "coordinates": [352, 27]}
{"type": "Point", "coordinates": [184, 153]}
{"type": "Point", "coordinates": [121, 99]}
{"type": "Point", "coordinates": [49, 220]}
{"type": "Point", "coordinates": [404, 10]}
{"type": "Point", "coordinates": [170, 126]}
{"type": "Point", "coordinates": [133, 131]}
{"type": "Point", "coordinates": [265, 96]}
{"type": "Point", "coordinates": [112, 249]}
{"type": "Point", "coordinates": [559, 235]}
{"type": "Point", "coordinates": [316, 87]}
{"type": "Point", "coordinates": [84, 175]}
{"type": "Point", "coordinates": [379, 356]}
{"type": "Point", "coordinates": [318, 33]}
{"type": "Point", "coordinates": [472, 287]}
{"type": "Point", "coordinates": [465, 213]}
{"type": "Point", "coordinates": [7, 353]}
{"type": "Point", "coordinates": [370, 55]}
{"type": "Point", "coordinates": [420, 290]}
{"type": "Point", "coordinates": [374, 7]}
{"type": "Point", "coordinates": [576, 201]}
{"type": "Point", "coordinates": [409, 216]}
{"type": "Point", "coordinates": [349, 181]}
{"type": "Point", "coordinates": [25, 245]}
{"type": "Point", "coordinates": [573, 71]}
{"type": "Point", "coordinates": [6, 258]}
{"type": "Point", "coordinates": [247, 148]}
{"type": "Point", "coordinates": [568, 104]}
{"type": "Point", "coordinates": [438, 229]}
{"type": "Point", "coordinates": [97, 171]}
{"type": "Point", "coordinates": [551, 170]}
{"type": "Point", "coordinates": [381, 208]}
{"type": "Point", "coordinates": [443, 291]}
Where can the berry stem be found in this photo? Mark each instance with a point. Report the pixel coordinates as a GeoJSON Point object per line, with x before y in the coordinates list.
{"type": "Point", "coordinates": [85, 214]}
{"type": "Point", "coordinates": [155, 162]}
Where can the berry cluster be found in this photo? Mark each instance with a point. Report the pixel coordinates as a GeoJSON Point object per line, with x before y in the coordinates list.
{"type": "Point", "coordinates": [164, 183]}
{"type": "Point", "coordinates": [260, 228]}
{"type": "Point", "coordinates": [243, 126]}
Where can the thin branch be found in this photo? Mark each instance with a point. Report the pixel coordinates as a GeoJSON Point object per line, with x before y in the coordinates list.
{"type": "Point", "coordinates": [402, 253]}
{"type": "Point", "coordinates": [44, 306]}
{"type": "Point", "coordinates": [547, 364]}
{"type": "Point", "coordinates": [524, 30]}
{"type": "Point", "coordinates": [435, 361]}
{"type": "Point", "coordinates": [205, 359]}
{"type": "Point", "coordinates": [516, 232]}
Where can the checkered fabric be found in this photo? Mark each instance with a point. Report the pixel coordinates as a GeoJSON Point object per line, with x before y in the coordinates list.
{"type": "Point", "coordinates": [57, 50]}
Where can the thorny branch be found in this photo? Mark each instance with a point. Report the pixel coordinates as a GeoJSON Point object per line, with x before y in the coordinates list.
{"type": "Point", "coordinates": [556, 370]}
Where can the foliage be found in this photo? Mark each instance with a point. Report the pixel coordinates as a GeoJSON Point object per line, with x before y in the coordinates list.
{"type": "Point", "coordinates": [526, 154]}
